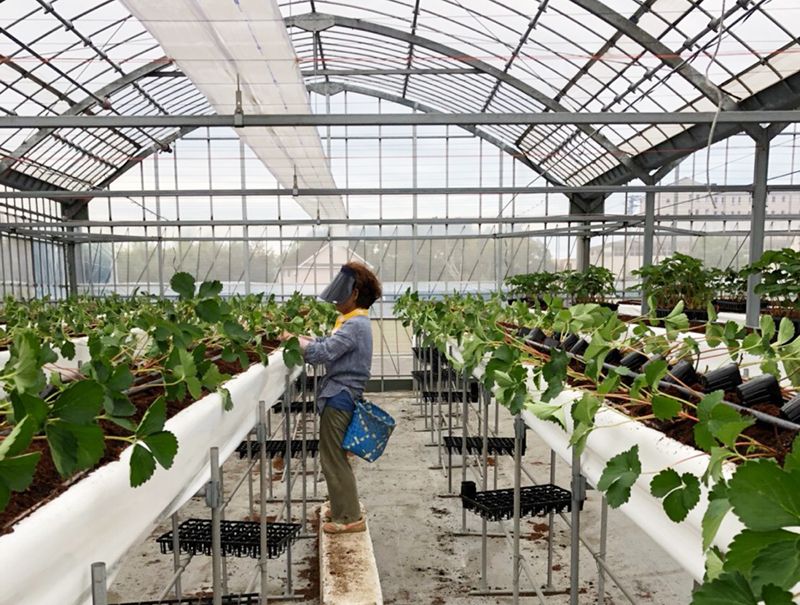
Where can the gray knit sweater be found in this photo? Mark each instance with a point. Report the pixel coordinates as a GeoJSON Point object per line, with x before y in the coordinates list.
{"type": "Point", "coordinates": [347, 356]}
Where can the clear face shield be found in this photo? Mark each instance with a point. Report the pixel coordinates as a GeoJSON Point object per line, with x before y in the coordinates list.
{"type": "Point", "coordinates": [341, 288]}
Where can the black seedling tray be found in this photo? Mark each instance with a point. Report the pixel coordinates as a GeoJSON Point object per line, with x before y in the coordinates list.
{"type": "Point", "coordinates": [276, 448]}
{"type": "Point", "coordinates": [535, 500]}
{"type": "Point", "coordinates": [418, 374]}
{"type": "Point", "coordinates": [298, 383]}
{"type": "Point", "coordinates": [252, 598]}
{"type": "Point", "coordinates": [455, 396]}
{"type": "Point", "coordinates": [239, 538]}
{"type": "Point", "coordinates": [295, 407]}
{"type": "Point", "coordinates": [503, 446]}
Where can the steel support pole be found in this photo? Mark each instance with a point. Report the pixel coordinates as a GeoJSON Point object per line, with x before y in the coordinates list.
{"type": "Point", "coordinates": [213, 500]}
{"type": "Point", "coordinates": [757, 225]}
{"type": "Point", "coordinates": [261, 432]}
{"type": "Point", "coordinates": [649, 236]}
{"type": "Point", "coordinates": [551, 518]}
{"type": "Point", "coordinates": [601, 555]}
{"type": "Point", "coordinates": [99, 584]}
{"type": "Point", "coordinates": [519, 431]}
{"type": "Point", "coordinates": [578, 489]}
{"type": "Point", "coordinates": [176, 555]}
{"type": "Point", "coordinates": [484, 528]}
{"type": "Point", "coordinates": [464, 436]}
{"type": "Point", "coordinates": [287, 475]}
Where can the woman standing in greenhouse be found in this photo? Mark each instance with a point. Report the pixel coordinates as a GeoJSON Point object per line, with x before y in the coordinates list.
{"type": "Point", "coordinates": [347, 356]}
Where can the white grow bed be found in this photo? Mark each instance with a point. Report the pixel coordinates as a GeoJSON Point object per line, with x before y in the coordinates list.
{"type": "Point", "coordinates": [616, 433]}
{"type": "Point", "coordinates": [47, 558]}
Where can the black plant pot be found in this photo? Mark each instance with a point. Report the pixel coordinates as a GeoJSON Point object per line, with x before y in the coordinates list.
{"type": "Point", "coordinates": [610, 305]}
{"type": "Point", "coordinates": [613, 358]}
{"type": "Point", "coordinates": [580, 347]}
{"type": "Point", "coordinates": [634, 361]}
{"type": "Point", "coordinates": [791, 409]}
{"type": "Point", "coordinates": [522, 332]}
{"type": "Point", "coordinates": [682, 372]}
{"type": "Point", "coordinates": [570, 341]}
{"type": "Point", "coordinates": [761, 389]}
{"type": "Point", "coordinates": [551, 343]}
{"type": "Point", "coordinates": [536, 335]}
{"type": "Point", "coordinates": [726, 378]}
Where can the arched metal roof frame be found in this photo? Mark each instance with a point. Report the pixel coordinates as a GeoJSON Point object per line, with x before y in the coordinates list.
{"type": "Point", "coordinates": [659, 157]}
{"type": "Point", "coordinates": [333, 87]}
{"type": "Point", "coordinates": [309, 20]}
{"type": "Point", "coordinates": [85, 53]}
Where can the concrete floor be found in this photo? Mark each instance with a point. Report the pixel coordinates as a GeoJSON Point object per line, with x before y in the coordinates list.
{"type": "Point", "coordinates": [412, 525]}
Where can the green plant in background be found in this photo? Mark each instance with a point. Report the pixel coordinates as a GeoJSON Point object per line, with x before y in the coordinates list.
{"type": "Point", "coordinates": [677, 278]}
{"type": "Point", "coordinates": [595, 284]}
{"type": "Point", "coordinates": [728, 284]}
{"type": "Point", "coordinates": [780, 279]}
{"type": "Point", "coordinates": [535, 285]}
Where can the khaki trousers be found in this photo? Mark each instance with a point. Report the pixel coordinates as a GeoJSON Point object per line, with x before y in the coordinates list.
{"type": "Point", "coordinates": [342, 490]}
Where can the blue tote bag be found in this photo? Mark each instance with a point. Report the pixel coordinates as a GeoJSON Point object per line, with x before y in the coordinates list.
{"type": "Point", "coordinates": [369, 431]}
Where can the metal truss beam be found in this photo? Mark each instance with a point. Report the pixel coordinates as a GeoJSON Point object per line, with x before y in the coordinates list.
{"type": "Point", "coordinates": [780, 98]}
{"type": "Point", "coordinates": [335, 87]}
{"type": "Point", "coordinates": [431, 71]}
{"type": "Point", "coordinates": [586, 191]}
{"type": "Point", "coordinates": [82, 106]}
{"type": "Point", "coordinates": [414, 40]}
{"type": "Point", "coordinates": [659, 50]}
{"type": "Point", "coordinates": [738, 118]}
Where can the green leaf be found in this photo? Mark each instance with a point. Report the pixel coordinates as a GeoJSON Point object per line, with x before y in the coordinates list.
{"type": "Point", "coordinates": [728, 589]}
{"type": "Point", "coordinates": [555, 374]}
{"type": "Point", "coordinates": [777, 564]}
{"type": "Point", "coordinates": [80, 402]}
{"type": "Point", "coordinates": [235, 331]}
{"type": "Point", "coordinates": [681, 493]}
{"type": "Point", "coordinates": [767, 325]}
{"type": "Point", "coordinates": [665, 407]}
{"type": "Point", "coordinates": [195, 387]}
{"type": "Point", "coordinates": [153, 419]}
{"type": "Point", "coordinates": [619, 475]}
{"type": "Point", "coordinates": [714, 564]}
{"type": "Point", "coordinates": [227, 400]}
{"type": "Point", "coordinates": [785, 330]}
{"type": "Point", "coordinates": [63, 448]}
{"type": "Point", "coordinates": [183, 284]}
{"type": "Point", "coordinates": [611, 383]}
{"type": "Point", "coordinates": [747, 545]}
{"type": "Point", "coordinates": [551, 412]}
{"type": "Point", "coordinates": [655, 371]}
{"type": "Point", "coordinates": [292, 354]}
{"type": "Point", "coordinates": [20, 437]}
{"type": "Point", "coordinates": [773, 595]}
{"type": "Point", "coordinates": [121, 378]}
{"type": "Point", "coordinates": [208, 310]}
{"type": "Point", "coordinates": [209, 289]}
{"type": "Point", "coordinates": [16, 473]}
{"type": "Point", "coordinates": [163, 446]}
{"type": "Point", "coordinates": [764, 496]}
{"type": "Point", "coordinates": [24, 363]}
{"type": "Point", "coordinates": [68, 349]}
{"type": "Point", "coordinates": [212, 377]}
{"type": "Point", "coordinates": [143, 465]}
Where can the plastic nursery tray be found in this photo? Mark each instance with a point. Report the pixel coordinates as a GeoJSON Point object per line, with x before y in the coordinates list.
{"type": "Point", "coordinates": [454, 396]}
{"type": "Point", "coordinates": [276, 448]}
{"type": "Point", "coordinates": [535, 500]}
{"type": "Point", "coordinates": [503, 446]}
{"type": "Point", "coordinates": [239, 538]}
{"type": "Point", "coordinates": [295, 407]}
{"type": "Point", "coordinates": [252, 598]}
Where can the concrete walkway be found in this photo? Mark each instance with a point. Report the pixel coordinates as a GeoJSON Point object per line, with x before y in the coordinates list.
{"type": "Point", "coordinates": [419, 561]}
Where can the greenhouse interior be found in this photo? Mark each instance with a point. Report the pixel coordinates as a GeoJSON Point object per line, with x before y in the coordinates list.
{"type": "Point", "coordinates": [399, 301]}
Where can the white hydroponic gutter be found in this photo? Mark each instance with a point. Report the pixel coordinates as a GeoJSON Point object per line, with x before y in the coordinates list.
{"type": "Point", "coordinates": [48, 556]}
{"type": "Point", "coordinates": [214, 42]}
{"type": "Point", "coordinates": [616, 433]}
